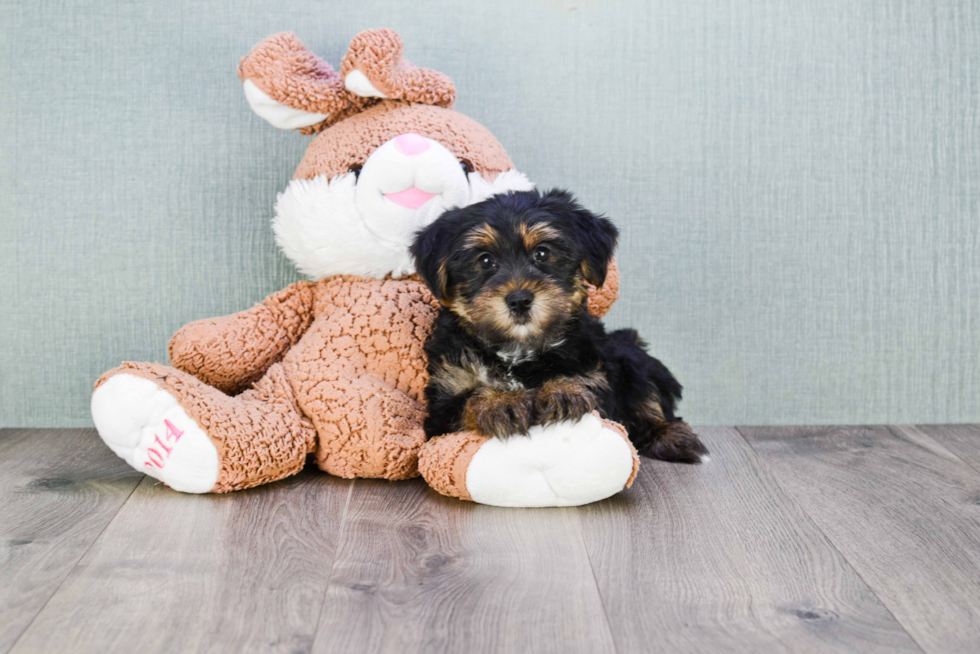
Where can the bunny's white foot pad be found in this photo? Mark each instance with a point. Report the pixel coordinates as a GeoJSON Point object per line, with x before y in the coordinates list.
{"type": "Point", "coordinates": [567, 464]}
{"type": "Point", "coordinates": [146, 427]}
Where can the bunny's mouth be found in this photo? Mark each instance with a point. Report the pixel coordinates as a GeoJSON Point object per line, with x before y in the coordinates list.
{"type": "Point", "coordinates": [411, 198]}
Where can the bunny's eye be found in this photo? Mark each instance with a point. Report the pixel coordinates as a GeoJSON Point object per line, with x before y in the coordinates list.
{"type": "Point", "coordinates": [466, 166]}
{"type": "Point", "coordinates": [356, 169]}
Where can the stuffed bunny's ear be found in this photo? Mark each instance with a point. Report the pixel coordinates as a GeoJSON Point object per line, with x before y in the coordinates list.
{"type": "Point", "coordinates": [374, 68]}
{"type": "Point", "coordinates": [288, 85]}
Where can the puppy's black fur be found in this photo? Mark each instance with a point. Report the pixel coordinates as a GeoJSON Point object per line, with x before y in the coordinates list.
{"type": "Point", "coordinates": [514, 345]}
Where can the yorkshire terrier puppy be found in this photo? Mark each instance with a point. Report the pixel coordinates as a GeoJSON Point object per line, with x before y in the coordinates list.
{"type": "Point", "coordinates": [514, 345]}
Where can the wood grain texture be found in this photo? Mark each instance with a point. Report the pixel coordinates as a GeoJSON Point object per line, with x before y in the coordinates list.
{"type": "Point", "coordinates": [243, 572]}
{"type": "Point", "coordinates": [962, 440]}
{"type": "Point", "coordinates": [803, 540]}
{"type": "Point", "coordinates": [418, 572]}
{"type": "Point", "coordinates": [902, 508]}
{"type": "Point", "coordinates": [58, 491]}
{"type": "Point", "coordinates": [719, 558]}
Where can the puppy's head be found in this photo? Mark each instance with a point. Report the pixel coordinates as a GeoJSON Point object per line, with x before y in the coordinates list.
{"type": "Point", "coordinates": [513, 267]}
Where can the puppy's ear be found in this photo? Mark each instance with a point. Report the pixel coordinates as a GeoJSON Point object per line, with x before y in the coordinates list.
{"type": "Point", "coordinates": [596, 234]}
{"type": "Point", "coordinates": [431, 250]}
{"type": "Point", "coordinates": [600, 243]}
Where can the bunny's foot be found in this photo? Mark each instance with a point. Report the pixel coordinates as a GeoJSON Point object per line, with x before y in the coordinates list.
{"type": "Point", "coordinates": [567, 464]}
{"type": "Point", "coordinates": [146, 427]}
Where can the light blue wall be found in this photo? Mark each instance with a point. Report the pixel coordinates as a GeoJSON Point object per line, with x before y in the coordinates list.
{"type": "Point", "coordinates": [798, 183]}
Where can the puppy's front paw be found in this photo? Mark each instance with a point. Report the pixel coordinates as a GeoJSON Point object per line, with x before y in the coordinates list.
{"type": "Point", "coordinates": [499, 413]}
{"type": "Point", "coordinates": [564, 399]}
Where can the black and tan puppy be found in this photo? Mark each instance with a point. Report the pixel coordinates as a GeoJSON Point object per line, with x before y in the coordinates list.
{"type": "Point", "coordinates": [514, 345]}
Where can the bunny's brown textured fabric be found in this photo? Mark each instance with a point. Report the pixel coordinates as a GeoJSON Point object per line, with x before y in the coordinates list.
{"type": "Point", "coordinates": [378, 54]}
{"type": "Point", "coordinates": [282, 68]}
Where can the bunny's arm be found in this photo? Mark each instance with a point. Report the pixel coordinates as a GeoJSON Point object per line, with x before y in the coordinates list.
{"type": "Point", "coordinates": [231, 352]}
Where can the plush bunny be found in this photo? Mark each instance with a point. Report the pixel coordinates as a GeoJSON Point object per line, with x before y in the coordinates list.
{"type": "Point", "coordinates": [335, 367]}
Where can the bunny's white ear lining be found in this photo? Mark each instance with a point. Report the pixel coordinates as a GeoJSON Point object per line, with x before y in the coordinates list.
{"type": "Point", "coordinates": [357, 82]}
{"type": "Point", "coordinates": [278, 115]}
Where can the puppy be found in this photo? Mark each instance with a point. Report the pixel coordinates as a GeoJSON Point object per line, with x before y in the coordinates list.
{"type": "Point", "coordinates": [514, 345]}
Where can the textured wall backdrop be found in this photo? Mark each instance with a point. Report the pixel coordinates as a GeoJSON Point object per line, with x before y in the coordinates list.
{"type": "Point", "coordinates": [798, 183]}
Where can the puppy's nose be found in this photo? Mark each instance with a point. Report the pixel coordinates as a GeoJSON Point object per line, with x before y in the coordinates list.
{"type": "Point", "coordinates": [520, 301]}
{"type": "Point", "coordinates": [411, 144]}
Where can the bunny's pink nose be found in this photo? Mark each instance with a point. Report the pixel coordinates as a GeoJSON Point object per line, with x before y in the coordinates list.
{"type": "Point", "coordinates": [411, 144]}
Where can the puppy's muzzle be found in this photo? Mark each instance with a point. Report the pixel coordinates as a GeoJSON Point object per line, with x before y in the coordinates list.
{"type": "Point", "coordinates": [519, 302]}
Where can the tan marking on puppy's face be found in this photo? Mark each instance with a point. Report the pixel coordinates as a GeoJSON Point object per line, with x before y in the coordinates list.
{"type": "Point", "coordinates": [444, 289]}
{"type": "Point", "coordinates": [489, 310]}
{"type": "Point", "coordinates": [535, 235]}
{"type": "Point", "coordinates": [482, 237]}
{"type": "Point", "coordinates": [461, 308]}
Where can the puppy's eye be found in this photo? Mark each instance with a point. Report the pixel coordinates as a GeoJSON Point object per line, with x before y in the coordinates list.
{"type": "Point", "coordinates": [487, 261]}
{"type": "Point", "coordinates": [541, 254]}
{"type": "Point", "coordinates": [466, 166]}
{"type": "Point", "coordinates": [356, 169]}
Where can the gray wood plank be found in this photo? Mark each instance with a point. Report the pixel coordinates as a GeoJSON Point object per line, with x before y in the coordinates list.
{"type": "Point", "coordinates": [418, 572]}
{"type": "Point", "coordinates": [904, 512]}
{"type": "Point", "coordinates": [719, 558]}
{"type": "Point", "coordinates": [243, 572]}
{"type": "Point", "coordinates": [962, 440]}
{"type": "Point", "coordinates": [58, 491]}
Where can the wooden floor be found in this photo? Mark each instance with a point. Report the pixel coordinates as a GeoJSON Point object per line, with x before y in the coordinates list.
{"type": "Point", "coordinates": [802, 539]}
